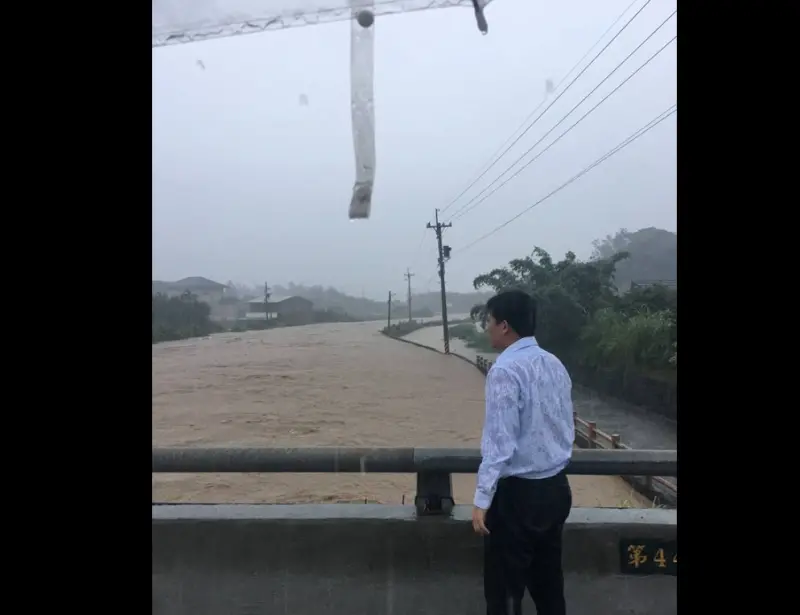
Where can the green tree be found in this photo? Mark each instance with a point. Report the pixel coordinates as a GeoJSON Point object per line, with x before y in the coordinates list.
{"type": "Point", "coordinates": [181, 317]}
{"type": "Point", "coordinates": [609, 340]}
{"type": "Point", "coordinates": [568, 292]}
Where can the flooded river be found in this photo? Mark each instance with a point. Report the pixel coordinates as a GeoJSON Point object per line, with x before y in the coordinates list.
{"type": "Point", "coordinates": [321, 385]}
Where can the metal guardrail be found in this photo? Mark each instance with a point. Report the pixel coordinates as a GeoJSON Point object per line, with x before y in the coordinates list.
{"type": "Point", "coordinates": [393, 460]}
{"type": "Point", "coordinates": [433, 466]}
{"type": "Point", "coordinates": [599, 440]}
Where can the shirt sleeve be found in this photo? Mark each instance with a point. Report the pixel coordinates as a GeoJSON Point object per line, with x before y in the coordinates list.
{"type": "Point", "coordinates": [500, 432]}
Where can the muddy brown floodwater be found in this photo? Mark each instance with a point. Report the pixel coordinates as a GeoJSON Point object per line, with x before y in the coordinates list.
{"type": "Point", "coordinates": [321, 385]}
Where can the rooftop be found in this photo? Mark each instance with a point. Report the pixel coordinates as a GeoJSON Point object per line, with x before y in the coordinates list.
{"type": "Point", "coordinates": [190, 283]}
{"type": "Point", "coordinates": [276, 299]}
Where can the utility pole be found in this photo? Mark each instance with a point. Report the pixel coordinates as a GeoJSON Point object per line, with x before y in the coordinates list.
{"type": "Point", "coordinates": [444, 253]}
{"type": "Point", "coordinates": [408, 275]}
{"type": "Point", "coordinates": [267, 295]}
{"type": "Point", "coordinates": [389, 315]}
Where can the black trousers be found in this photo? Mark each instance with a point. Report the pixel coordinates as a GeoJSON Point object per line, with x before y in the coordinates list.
{"type": "Point", "coordinates": [523, 548]}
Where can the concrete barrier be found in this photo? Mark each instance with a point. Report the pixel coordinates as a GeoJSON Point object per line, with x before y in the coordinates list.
{"type": "Point", "coordinates": [382, 560]}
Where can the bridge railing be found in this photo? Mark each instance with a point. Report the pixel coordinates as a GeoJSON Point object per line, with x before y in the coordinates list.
{"type": "Point", "coordinates": [433, 466]}
{"type": "Point", "coordinates": [587, 435]}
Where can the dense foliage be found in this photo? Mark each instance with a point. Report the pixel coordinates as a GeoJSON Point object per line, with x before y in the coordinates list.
{"type": "Point", "coordinates": [584, 319]}
{"type": "Point", "coordinates": [176, 318]}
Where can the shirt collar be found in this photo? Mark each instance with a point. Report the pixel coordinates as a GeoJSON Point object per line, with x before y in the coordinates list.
{"type": "Point", "coordinates": [523, 342]}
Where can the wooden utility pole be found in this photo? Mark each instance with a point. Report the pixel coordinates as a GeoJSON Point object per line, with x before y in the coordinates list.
{"type": "Point", "coordinates": [267, 295]}
{"type": "Point", "coordinates": [389, 315]}
{"type": "Point", "coordinates": [438, 227]}
{"type": "Point", "coordinates": [408, 275]}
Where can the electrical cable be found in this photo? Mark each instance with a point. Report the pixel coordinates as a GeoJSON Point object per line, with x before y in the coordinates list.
{"type": "Point", "coordinates": [478, 199]}
{"type": "Point", "coordinates": [622, 145]}
{"type": "Point", "coordinates": [564, 91]}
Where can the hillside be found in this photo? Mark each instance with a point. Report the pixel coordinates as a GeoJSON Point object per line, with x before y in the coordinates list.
{"type": "Point", "coordinates": [653, 256]}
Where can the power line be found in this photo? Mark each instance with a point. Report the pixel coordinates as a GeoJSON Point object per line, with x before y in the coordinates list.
{"type": "Point", "coordinates": [463, 210]}
{"type": "Point", "coordinates": [419, 247]}
{"type": "Point", "coordinates": [430, 279]}
{"type": "Point", "coordinates": [429, 253]}
{"type": "Point", "coordinates": [467, 208]}
{"type": "Point", "coordinates": [644, 129]}
{"type": "Point", "coordinates": [539, 106]}
{"type": "Point", "coordinates": [564, 91]}
{"type": "Point", "coordinates": [630, 139]}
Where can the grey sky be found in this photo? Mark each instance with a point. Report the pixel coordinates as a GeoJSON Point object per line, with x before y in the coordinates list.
{"type": "Point", "coordinates": [251, 185]}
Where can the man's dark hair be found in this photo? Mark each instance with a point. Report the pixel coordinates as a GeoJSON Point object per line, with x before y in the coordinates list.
{"type": "Point", "coordinates": [517, 308]}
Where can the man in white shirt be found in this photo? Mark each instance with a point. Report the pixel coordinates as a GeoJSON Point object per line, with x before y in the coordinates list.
{"type": "Point", "coordinates": [523, 497]}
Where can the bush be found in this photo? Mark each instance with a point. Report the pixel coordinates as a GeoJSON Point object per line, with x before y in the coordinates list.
{"type": "Point", "coordinates": [177, 318]}
{"type": "Point", "coordinates": [473, 338]}
{"type": "Point", "coordinates": [404, 327]}
{"type": "Point", "coordinates": [642, 340]}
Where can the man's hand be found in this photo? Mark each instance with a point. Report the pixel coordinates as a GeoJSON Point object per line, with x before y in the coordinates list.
{"type": "Point", "coordinates": [479, 520]}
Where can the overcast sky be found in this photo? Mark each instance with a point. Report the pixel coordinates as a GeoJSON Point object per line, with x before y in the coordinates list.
{"type": "Point", "coordinates": [252, 184]}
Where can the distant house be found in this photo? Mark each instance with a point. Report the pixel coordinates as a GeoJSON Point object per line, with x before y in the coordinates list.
{"type": "Point", "coordinates": [294, 309]}
{"type": "Point", "coordinates": [204, 289]}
